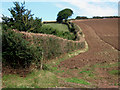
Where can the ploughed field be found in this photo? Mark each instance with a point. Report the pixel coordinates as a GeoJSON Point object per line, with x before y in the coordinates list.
{"type": "Point", "coordinates": [106, 29]}
{"type": "Point", "coordinates": [102, 56]}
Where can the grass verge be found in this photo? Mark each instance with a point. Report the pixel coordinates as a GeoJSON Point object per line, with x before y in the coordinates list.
{"type": "Point", "coordinates": [36, 79]}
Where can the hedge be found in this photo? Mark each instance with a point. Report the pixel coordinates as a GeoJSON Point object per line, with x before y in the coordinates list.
{"type": "Point", "coordinates": [53, 46]}
{"type": "Point", "coordinates": [21, 48]}
{"type": "Point", "coordinates": [18, 52]}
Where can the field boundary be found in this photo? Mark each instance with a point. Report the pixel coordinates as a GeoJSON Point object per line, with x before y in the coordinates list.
{"type": "Point", "coordinates": [53, 46]}
{"type": "Point", "coordinates": [49, 35]}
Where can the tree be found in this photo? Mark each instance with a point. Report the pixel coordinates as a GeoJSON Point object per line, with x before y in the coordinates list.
{"type": "Point", "coordinates": [64, 15]}
{"type": "Point", "coordinates": [21, 18]}
{"type": "Point", "coordinates": [81, 17]}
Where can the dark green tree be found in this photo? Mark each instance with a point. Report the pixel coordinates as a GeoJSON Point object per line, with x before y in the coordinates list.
{"type": "Point", "coordinates": [64, 15]}
{"type": "Point", "coordinates": [81, 17]}
{"type": "Point", "coordinates": [21, 18]}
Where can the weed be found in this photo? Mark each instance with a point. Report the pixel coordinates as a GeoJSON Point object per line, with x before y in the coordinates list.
{"type": "Point", "coordinates": [59, 71]}
{"type": "Point", "coordinates": [87, 74]}
{"type": "Point", "coordinates": [117, 84]}
{"type": "Point", "coordinates": [85, 71]}
{"type": "Point", "coordinates": [54, 68]}
{"type": "Point", "coordinates": [114, 72]}
{"type": "Point", "coordinates": [106, 65]}
{"type": "Point", "coordinates": [76, 80]}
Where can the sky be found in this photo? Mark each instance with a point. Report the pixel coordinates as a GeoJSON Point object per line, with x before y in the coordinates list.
{"type": "Point", "coordinates": [48, 9]}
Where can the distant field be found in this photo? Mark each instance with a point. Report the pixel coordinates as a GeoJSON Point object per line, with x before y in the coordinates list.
{"type": "Point", "coordinates": [60, 27]}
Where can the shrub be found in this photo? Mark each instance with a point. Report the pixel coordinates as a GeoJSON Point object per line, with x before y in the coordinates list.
{"type": "Point", "coordinates": [20, 49]}
{"type": "Point", "coordinates": [49, 30]}
{"type": "Point", "coordinates": [17, 52]}
{"type": "Point", "coordinates": [53, 46]}
{"type": "Point", "coordinates": [50, 46]}
{"type": "Point", "coordinates": [21, 18]}
{"type": "Point", "coordinates": [71, 26]}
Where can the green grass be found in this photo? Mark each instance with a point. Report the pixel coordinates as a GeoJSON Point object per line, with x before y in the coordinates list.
{"type": "Point", "coordinates": [107, 65]}
{"type": "Point", "coordinates": [87, 73]}
{"type": "Point", "coordinates": [114, 72]}
{"type": "Point", "coordinates": [54, 68]}
{"type": "Point", "coordinates": [76, 80]}
{"type": "Point", "coordinates": [17, 89]}
{"type": "Point", "coordinates": [37, 79]}
{"type": "Point", "coordinates": [59, 71]}
{"type": "Point", "coordinates": [91, 73]}
{"type": "Point", "coordinates": [60, 27]}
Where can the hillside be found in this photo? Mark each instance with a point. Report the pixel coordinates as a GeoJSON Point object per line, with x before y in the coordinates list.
{"type": "Point", "coordinates": [68, 53]}
{"type": "Point", "coordinates": [95, 65]}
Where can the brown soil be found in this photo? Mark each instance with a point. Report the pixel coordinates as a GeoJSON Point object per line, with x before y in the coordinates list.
{"type": "Point", "coordinates": [22, 72]}
{"type": "Point", "coordinates": [106, 29]}
{"type": "Point", "coordinates": [102, 39]}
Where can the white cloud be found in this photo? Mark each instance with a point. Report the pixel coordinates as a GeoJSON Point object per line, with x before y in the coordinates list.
{"type": "Point", "coordinates": [87, 9]}
{"type": "Point", "coordinates": [59, 5]}
{"type": "Point", "coordinates": [0, 17]}
{"type": "Point", "coordinates": [119, 8]}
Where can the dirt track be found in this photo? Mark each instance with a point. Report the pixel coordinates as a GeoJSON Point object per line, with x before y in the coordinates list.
{"type": "Point", "coordinates": [101, 36]}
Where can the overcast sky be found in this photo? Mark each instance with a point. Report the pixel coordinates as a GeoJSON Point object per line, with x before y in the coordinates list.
{"type": "Point", "coordinates": [48, 9]}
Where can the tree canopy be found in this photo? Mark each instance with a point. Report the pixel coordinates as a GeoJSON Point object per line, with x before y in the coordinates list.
{"type": "Point", "coordinates": [21, 18]}
{"type": "Point", "coordinates": [64, 14]}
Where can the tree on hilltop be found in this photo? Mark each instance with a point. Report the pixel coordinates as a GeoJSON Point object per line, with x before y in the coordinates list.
{"type": "Point", "coordinates": [64, 15]}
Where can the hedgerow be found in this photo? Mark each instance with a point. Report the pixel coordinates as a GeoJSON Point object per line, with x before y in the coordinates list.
{"type": "Point", "coordinates": [53, 46]}
{"type": "Point", "coordinates": [18, 52]}
{"type": "Point", "coordinates": [20, 49]}
{"type": "Point", "coordinates": [49, 30]}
